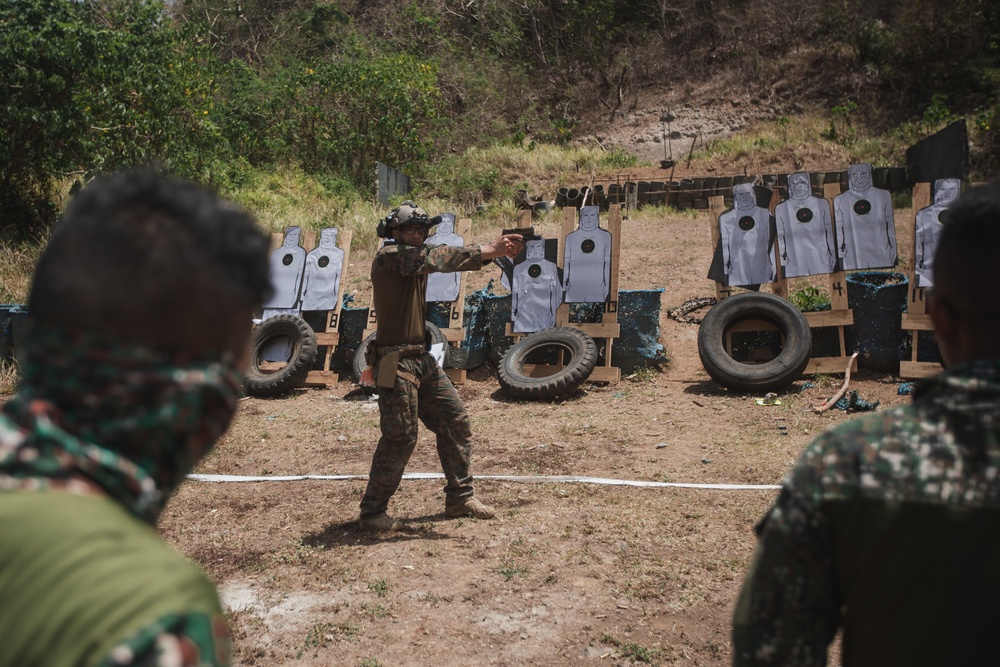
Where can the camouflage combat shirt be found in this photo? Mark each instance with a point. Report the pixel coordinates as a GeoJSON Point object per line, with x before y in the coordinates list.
{"type": "Point", "coordinates": [399, 282]}
{"type": "Point", "coordinates": [888, 526]}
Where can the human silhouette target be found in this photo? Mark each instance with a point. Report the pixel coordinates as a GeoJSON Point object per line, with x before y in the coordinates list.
{"type": "Point", "coordinates": [587, 260]}
{"type": "Point", "coordinates": [324, 266]}
{"type": "Point", "coordinates": [805, 232]}
{"type": "Point", "coordinates": [866, 231]}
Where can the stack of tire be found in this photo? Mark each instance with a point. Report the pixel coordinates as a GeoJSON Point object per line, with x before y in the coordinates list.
{"type": "Point", "coordinates": [772, 375]}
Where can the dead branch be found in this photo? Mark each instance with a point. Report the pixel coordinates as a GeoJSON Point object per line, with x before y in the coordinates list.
{"type": "Point", "coordinates": [830, 402]}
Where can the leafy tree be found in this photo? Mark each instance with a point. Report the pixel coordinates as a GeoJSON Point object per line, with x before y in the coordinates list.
{"type": "Point", "coordinates": [91, 86]}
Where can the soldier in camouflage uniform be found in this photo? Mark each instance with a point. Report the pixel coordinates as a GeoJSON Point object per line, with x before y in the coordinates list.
{"type": "Point", "coordinates": [889, 525]}
{"type": "Point", "coordinates": [141, 308]}
{"type": "Point", "coordinates": [411, 384]}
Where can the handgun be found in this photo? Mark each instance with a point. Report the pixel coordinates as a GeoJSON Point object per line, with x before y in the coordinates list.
{"type": "Point", "coordinates": [526, 233]}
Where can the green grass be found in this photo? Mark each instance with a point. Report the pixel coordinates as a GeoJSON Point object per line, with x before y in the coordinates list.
{"type": "Point", "coordinates": [508, 571]}
{"type": "Point", "coordinates": [380, 587]}
{"type": "Point", "coordinates": [494, 173]}
{"type": "Point", "coordinates": [9, 377]}
{"type": "Point", "coordinates": [633, 651]}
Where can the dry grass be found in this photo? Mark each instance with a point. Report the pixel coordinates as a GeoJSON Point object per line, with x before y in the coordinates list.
{"type": "Point", "coordinates": [10, 375]}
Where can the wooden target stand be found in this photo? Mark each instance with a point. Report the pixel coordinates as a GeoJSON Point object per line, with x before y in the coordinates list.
{"type": "Point", "coordinates": [608, 329]}
{"type": "Point", "coordinates": [455, 331]}
{"type": "Point", "coordinates": [326, 340]}
{"type": "Point", "coordinates": [916, 319]}
{"type": "Point", "coordinates": [839, 315]}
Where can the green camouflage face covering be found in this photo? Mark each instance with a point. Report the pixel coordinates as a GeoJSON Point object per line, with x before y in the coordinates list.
{"type": "Point", "coordinates": [130, 419]}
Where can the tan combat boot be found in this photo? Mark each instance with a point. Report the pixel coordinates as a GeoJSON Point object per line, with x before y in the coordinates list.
{"type": "Point", "coordinates": [469, 506]}
{"type": "Point", "coordinates": [380, 522]}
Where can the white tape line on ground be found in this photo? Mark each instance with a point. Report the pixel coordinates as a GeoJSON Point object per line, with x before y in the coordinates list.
{"type": "Point", "coordinates": [535, 479]}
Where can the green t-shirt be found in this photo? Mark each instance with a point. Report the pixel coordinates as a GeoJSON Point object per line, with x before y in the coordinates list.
{"type": "Point", "coordinates": [79, 575]}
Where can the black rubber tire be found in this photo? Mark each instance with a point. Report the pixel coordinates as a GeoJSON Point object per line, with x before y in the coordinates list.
{"type": "Point", "coordinates": [582, 353]}
{"type": "Point", "coordinates": [359, 364]}
{"type": "Point", "coordinates": [260, 382]}
{"type": "Point", "coordinates": [772, 375]}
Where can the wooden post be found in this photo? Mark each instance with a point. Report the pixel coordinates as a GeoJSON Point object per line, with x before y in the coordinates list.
{"type": "Point", "coordinates": [916, 319]}
{"type": "Point", "coordinates": [839, 315]}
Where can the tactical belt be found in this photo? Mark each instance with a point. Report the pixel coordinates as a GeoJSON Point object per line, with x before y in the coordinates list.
{"type": "Point", "coordinates": [403, 350]}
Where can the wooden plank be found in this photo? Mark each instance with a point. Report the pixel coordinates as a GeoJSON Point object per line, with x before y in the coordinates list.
{"type": "Point", "coordinates": [566, 225]}
{"type": "Point", "coordinates": [829, 318]}
{"type": "Point", "coordinates": [454, 335]}
{"type": "Point", "coordinates": [615, 227]}
{"type": "Point", "coordinates": [324, 338]}
{"type": "Point", "coordinates": [752, 325]}
{"type": "Point", "coordinates": [540, 370]}
{"type": "Point", "coordinates": [321, 379]}
{"type": "Point", "coordinates": [919, 322]}
{"type": "Point", "coordinates": [456, 375]}
{"type": "Point", "coordinates": [457, 318]}
{"type": "Point", "coordinates": [605, 374]}
{"type": "Point", "coordinates": [832, 365]}
{"type": "Point", "coordinates": [918, 369]}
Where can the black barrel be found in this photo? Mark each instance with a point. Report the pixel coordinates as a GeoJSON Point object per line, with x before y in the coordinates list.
{"type": "Point", "coordinates": [897, 179]}
{"type": "Point", "coordinates": [657, 193]}
{"type": "Point", "coordinates": [573, 198]}
{"type": "Point", "coordinates": [816, 179]}
{"type": "Point", "coordinates": [877, 299]}
{"type": "Point", "coordinates": [561, 197]}
{"type": "Point", "coordinates": [601, 197]}
{"type": "Point", "coordinates": [615, 194]}
{"type": "Point", "coordinates": [631, 194]}
{"type": "Point", "coordinates": [880, 177]}
{"type": "Point", "coordinates": [642, 194]}
{"type": "Point", "coordinates": [724, 186]}
{"type": "Point", "coordinates": [685, 194]}
{"type": "Point", "coordinates": [709, 186]}
{"type": "Point", "coordinates": [672, 191]}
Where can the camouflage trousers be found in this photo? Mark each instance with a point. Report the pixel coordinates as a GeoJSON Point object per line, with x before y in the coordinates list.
{"type": "Point", "coordinates": [436, 403]}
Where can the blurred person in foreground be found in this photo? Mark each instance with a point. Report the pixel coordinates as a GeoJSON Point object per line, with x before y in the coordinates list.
{"type": "Point", "coordinates": [889, 525]}
{"type": "Point", "coordinates": [141, 308]}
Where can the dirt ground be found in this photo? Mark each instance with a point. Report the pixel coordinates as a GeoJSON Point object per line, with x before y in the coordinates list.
{"type": "Point", "coordinates": [567, 573]}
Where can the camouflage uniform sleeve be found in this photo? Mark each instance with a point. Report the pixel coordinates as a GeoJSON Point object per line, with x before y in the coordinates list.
{"type": "Point", "coordinates": [789, 608]}
{"type": "Point", "coordinates": [408, 261]}
{"type": "Point", "coordinates": [194, 639]}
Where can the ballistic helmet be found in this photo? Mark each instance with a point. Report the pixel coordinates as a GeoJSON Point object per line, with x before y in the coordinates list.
{"type": "Point", "coordinates": [408, 213]}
